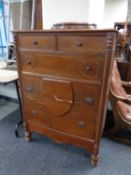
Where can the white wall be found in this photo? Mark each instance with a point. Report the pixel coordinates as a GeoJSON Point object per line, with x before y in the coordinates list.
{"type": "Point", "coordinates": [115, 11]}
{"type": "Point", "coordinates": [55, 11]}
{"type": "Point", "coordinates": [129, 10]}
{"type": "Point", "coordinates": [96, 12]}
{"type": "Point", "coordinates": [102, 12]}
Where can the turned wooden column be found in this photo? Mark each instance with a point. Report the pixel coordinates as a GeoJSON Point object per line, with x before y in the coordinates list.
{"type": "Point", "coordinates": [38, 15]}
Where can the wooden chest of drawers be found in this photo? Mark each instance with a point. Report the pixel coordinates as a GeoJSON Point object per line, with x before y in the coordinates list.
{"type": "Point", "coordinates": [64, 79]}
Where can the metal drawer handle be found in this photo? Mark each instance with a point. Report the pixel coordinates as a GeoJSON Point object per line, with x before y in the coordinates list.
{"type": "Point", "coordinates": [80, 44]}
{"type": "Point", "coordinates": [89, 100]}
{"type": "Point", "coordinates": [88, 68]}
{"type": "Point", "coordinates": [29, 62]}
{"type": "Point", "coordinates": [29, 89]}
{"type": "Point", "coordinates": [82, 124]}
{"type": "Point", "coordinates": [34, 112]}
{"type": "Point", "coordinates": [61, 100]}
{"type": "Point", "coordinates": [34, 42]}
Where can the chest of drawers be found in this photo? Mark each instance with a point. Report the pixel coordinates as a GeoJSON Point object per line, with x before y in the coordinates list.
{"type": "Point", "coordinates": [64, 79]}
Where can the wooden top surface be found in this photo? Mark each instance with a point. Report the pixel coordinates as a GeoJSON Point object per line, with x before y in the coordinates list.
{"type": "Point", "coordinates": [65, 30]}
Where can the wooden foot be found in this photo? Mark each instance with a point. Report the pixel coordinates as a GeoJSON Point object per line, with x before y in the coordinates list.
{"type": "Point", "coordinates": [28, 136]}
{"type": "Point", "coordinates": [94, 159]}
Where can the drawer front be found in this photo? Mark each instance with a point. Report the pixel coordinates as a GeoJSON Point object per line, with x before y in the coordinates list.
{"type": "Point", "coordinates": [36, 114]}
{"type": "Point", "coordinates": [73, 66]}
{"type": "Point", "coordinates": [81, 43]}
{"type": "Point", "coordinates": [37, 42]}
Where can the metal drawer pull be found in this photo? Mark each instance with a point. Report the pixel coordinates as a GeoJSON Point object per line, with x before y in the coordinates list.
{"type": "Point", "coordinates": [88, 68]}
{"type": "Point", "coordinates": [61, 100]}
{"type": "Point", "coordinates": [34, 112]}
{"type": "Point", "coordinates": [82, 124]}
{"type": "Point", "coordinates": [34, 42]}
{"type": "Point", "coordinates": [89, 100]}
{"type": "Point", "coordinates": [29, 89]}
{"type": "Point", "coordinates": [29, 62]}
{"type": "Point", "coordinates": [80, 44]}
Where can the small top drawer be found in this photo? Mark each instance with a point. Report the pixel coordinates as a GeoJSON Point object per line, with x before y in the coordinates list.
{"type": "Point", "coordinates": [81, 43]}
{"type": "Point", "coordinates": [37, 42]}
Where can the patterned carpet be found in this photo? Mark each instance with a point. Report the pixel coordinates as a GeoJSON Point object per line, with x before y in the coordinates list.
{"type": "Point", "coordinates": [42, 156]}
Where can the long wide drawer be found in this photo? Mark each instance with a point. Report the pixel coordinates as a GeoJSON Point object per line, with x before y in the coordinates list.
{"type": "Point", "coordinates": [68, 65]}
